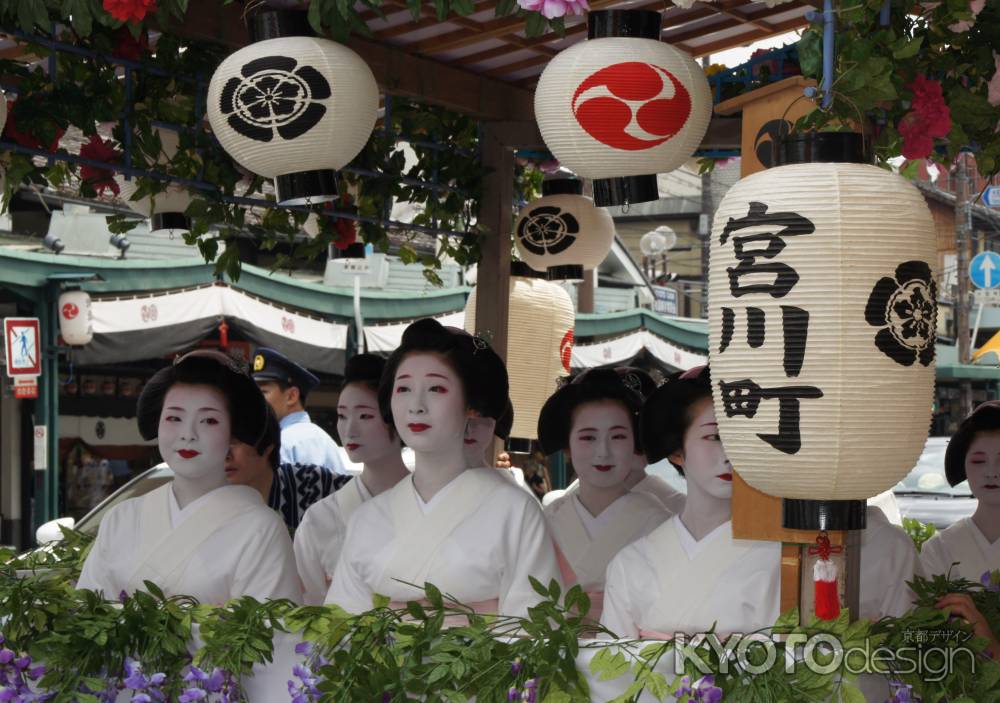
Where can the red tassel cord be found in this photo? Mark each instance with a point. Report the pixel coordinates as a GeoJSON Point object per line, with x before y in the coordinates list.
{"type": "Point", "coordinates": [825, 579]}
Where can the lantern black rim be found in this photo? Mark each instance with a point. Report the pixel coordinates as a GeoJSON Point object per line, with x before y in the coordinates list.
{"type": "Point", "coordinates": [306, 187]}
{"type": "Point", "coordinates": [162, 221]}
{"type": "Point", "coordinates": [566, 272]}
{"type": "Point", "coordinates": [562, 186]}
{"type": "Point", "coordinates": [637, 24]}
{"type": "Point", "coordinates": [279, 24]}
{"type": "Point", "coordinates": [625, 190]}
{"type": "Point", "coordinates": [524, 270]}
{"type": "Point", "coordinates": [801, 514]}
{"type": "Point", "coordinates": [823, 147]}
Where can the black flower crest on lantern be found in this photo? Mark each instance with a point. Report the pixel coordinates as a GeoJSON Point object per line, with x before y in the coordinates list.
{"type": "Point", "coordinates": [905, 307]}
{"type": "Point", "coordinates": [274, 94]}
{"type": "Point", "coordinates": [548, 230]}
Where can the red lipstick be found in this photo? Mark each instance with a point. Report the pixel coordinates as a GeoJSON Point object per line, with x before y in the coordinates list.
{"type": "Point", "coordinates": [469, 441]}
{"type": "Point", "coordinates": [188, 453]}
{"type": "Point", "coordinates": [725, 477]}
{"type": "Point", "coordinates": [604, 467]}
{"type": "Point", "coordinates": [418, 427]}
{"type": "Point", "coordinates": [352, 446]}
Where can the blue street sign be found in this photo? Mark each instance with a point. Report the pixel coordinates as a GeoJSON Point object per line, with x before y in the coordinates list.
{"type": "Point", "coordinates": [984, 270]}
{"type": "Point", "coordinates": [992, 196]}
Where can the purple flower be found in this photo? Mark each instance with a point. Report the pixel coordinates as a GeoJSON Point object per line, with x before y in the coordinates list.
{"type": "Point", "coordinates": [122, 596]}
{"type": "Point", "coordinates": [214, 682]}
{"type": "Point", "coordinates": [157, 679]}
{"type": "Point", "coordinates": [36, 672]}
{"type": "Point", "coordinates": [142, 698]}
{"type": "Point", "coordinates": [304, 648]}
{"type": "Point", "coordinates": [991, 580]}
{"type": "Point", "coordinates": [513, 693]}
{"type": "Point", "coordinates": [6, 656]}
{"type": "Point", "coordinates": [192, 694]}
{"type": "Point", "coordinates": [705, 690]}
{"type": "Point", "coordinates": [22, 663]}
{"type": "Point", "coordinates": [515, 667]}
{"type": "Point", "coordinates": [900, 692]}
{"type": "Point", "coordinates": [195, 674]}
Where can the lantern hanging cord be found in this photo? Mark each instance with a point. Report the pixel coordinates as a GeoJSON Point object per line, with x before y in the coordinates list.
{"type": "Point", "coordinates": [823, 548]}
{"type": "Point", "coordinates": [828, 17]}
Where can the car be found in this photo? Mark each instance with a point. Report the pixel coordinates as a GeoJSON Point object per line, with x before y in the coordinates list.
{"type": "Point", "coordinates": [142, 484]}
{"type": "Point", "coordinates": [925, 495]}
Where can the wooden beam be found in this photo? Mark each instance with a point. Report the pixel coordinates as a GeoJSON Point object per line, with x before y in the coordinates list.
{"type": "Point", "coordinates": [754, 35]}
{"type": "Point", "coordinates": [705, 28]}
{"type": "Point", "coordinates": [395, 71]}
{"type": "Point", "coordinates": [491, 30]}
{"type": "Point", "coordinates": [698, 12]}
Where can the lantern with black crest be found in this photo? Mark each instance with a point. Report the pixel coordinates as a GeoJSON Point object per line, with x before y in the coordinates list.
{"type": "Point", "coordinates": [623, 106]}
{"type": "Point", "coordinates": [293, 107]}
{"type": "Point", "coordinates": [562, 232]}
{"type": "Point", "coordinates": [822, 325]}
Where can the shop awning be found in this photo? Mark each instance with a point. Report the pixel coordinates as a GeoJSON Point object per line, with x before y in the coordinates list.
{"type": "Point", "coordinates": [156, 325]}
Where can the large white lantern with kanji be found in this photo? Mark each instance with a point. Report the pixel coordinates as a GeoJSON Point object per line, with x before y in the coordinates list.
{"type": "Point", "coordinates": [563, 232]}
{"type": "Point", "coordinates": [539, 347]}
{"type": "Point", "coordinates": [822, 315]}
{"type": "Point", "coordinates": [623, 106]}
{"type": "Point", "coordinates": [165, 209]}
{"type": "Point", "coordinates": [76, 325]}
{"type": "Point", "coordinates": [293, 107]}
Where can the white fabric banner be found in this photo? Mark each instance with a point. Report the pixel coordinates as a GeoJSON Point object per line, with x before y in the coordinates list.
{"type": "Point", "coordinates": [113, 316]}
{"type": "Point", "coordinates": [385, 338]}
{"type": "Point", "coordinates": [616, 351]}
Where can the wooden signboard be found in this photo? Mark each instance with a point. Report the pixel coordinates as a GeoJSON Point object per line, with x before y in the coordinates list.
{"type": "Point", "coordinates": [768, 114]}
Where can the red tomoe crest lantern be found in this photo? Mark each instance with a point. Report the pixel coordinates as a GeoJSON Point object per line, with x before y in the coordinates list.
{"type": "Point", "coordinates": [632, 106]}
{"type": "Point", "coordinates": [70, 311]}
{"type": "Point", "coordinates": [623, 106]}
{"type": "Point", "coordinates": [566, 350]}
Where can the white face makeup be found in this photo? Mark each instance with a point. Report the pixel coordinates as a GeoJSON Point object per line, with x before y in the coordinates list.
{"type": "Point", "coordinates": [602, 443]}
{"type": "Point", "coordinates": [703, 458]}
{"type": "Point", "coordinates": [982, 467]}
{"type": "Point", "coordinates": [194, 431]}
{"type": "Point", "coordinates": [363, 434]}
{"type": "Point", "coordinates": [428, 403]}
{"type": "Point", "coordinates": [478, 437]}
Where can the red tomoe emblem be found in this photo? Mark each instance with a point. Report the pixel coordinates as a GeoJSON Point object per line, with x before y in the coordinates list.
{"type": "Point", "coordinates": [566, 349]}
{"type": "Point", "coordinates": [70, 311]}
{"type": "Point", "coordinates": [632, 106]}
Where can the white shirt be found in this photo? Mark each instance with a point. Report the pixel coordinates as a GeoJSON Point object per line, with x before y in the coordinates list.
{"type": "Point", "coordinates": [491, 544]}
{"type": "Point", "coordinates": [303, 442]}
{"type": "Point", "coordinates": [250, 555]}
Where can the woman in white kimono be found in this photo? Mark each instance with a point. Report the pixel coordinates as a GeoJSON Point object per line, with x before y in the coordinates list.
{"type": "Point", "coordinates": [690, 574]}
{"type": "Point", "coordinates": [595, 421]}
{"type": "Point", "coordinates": [638, 480]}
{"type": "Point", "coordinates": [369, 441]}
{"type": "Point", "coordinates": [197, 535]}
{"type": "Point", "coordinates": [470, 532]}
{"type": "Point", "coordinates": [970, 548]}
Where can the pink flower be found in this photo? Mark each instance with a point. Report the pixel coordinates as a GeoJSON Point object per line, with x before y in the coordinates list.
{"type": "Point", "coordinates": [100, 179]}
{"type": "Point", "coordinates": [975, 6]}
{"type": "Point", "coordinates": [555, 8]}
{"type": "Point", "coordinates": [129, 10]}
{"type": "Point", "coordinates": [994, 86]}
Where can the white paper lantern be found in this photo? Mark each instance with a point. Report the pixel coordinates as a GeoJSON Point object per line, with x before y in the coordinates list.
{"type": "Point", "coordinates": [822, 309]}
{"type": "Point", "coordinates": [295, 109]}
{"type": "Point", "coordinates": [620, 109]}
{"type": "Point", "coordinates": [76, 324]}
{"type": "Point", "coordinates": [563, 232]}
{"type": "Point", "coordinates": [539, 345]}
{"type": "Point", "coordinates": [165, 209]}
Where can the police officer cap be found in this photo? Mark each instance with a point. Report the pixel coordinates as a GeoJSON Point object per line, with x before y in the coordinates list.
{"type": "Point", "coordinates": [271, 365]}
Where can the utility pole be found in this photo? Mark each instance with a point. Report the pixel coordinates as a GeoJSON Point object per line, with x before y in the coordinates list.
{"type": "Point", "coordinates": [705, 222]}
{"type": "Point", "coordinates": [963, 231]}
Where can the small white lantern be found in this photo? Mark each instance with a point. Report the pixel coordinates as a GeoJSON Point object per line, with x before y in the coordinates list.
{"type": "Point", "coordinates": [75, 318]}
{"type": "Point", "coordinates": [623, 106]}
{"type": "Point", "coordinates": [563, 232]}
{"type": "Point", "coordinates": [822, 307]}
{"type": "Point", "coordinates": [165, 210]}
{"type": "Point", "coordinates": [539, 353]}
{"type": "Point", "coordinates": [293, 107]}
